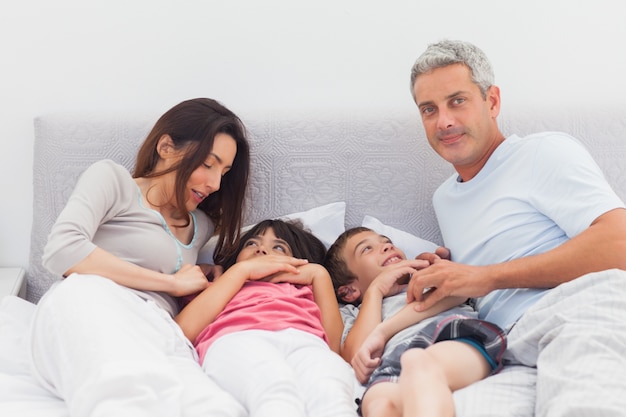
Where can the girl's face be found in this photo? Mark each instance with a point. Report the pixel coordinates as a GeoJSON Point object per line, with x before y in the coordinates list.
{"type": "Point", "coordinates": [265, 244]}
{"type": "Point", "coordinates": [207, 178]}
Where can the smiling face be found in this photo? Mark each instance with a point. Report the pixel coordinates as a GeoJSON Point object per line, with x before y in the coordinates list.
{"type": "Point", "coordinates": [264, 244]}
{"type": "Point", "coordinates": [207, 178]}
{"type": "Point", "coordinates": [367, 254]}
{"type": "Point", "coordinates": [459, 122]}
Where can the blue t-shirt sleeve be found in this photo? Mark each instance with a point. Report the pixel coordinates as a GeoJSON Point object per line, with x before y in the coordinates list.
{"type": "Point", "coordinates": [567, 184]}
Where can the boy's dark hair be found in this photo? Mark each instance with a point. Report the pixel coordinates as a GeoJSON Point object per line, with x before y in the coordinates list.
{"type": "Point", "coordinates": [335, 262]}
{"type": "Point", "coordinates": [302, 242]}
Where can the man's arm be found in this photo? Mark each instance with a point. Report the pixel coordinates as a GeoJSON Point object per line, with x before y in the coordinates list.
{"type": "Point", "coordinates": [601, 246]}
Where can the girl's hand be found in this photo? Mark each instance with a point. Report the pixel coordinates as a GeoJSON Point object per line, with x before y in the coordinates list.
{"type": "Point", "coordinates": [305, 276]}
{"type": "Point", "coordinates": [266, 266]}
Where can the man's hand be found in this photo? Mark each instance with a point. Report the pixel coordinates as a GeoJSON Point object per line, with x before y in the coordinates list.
{"type": "Point", "coordinates": [439, 254]}
{"type": "Point", "coordinates": [444, 279]}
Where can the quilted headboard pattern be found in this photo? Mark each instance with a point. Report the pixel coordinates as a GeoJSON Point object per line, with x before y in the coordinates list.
{"type": "Point", "coordinates": [379, 164]}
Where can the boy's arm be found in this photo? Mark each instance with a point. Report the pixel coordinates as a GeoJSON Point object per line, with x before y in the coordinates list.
{"type": "Point", "coordinates": [408, 316]}
{"type": "Point", "coordinates": [370, 315]}
{"type": "Point", "coordinates": [367, 357]}
{"type": "Point", "coordinates": [372, 319]}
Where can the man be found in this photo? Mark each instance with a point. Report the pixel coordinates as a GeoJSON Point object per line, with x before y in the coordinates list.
{"type": "Point", "coordinates": [529, 223]}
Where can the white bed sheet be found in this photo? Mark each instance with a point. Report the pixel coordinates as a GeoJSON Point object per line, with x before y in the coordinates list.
{"type": "Point", "coordinates": [20, 392]}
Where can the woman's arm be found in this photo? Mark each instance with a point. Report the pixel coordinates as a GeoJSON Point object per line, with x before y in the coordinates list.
{"type": "Point", "coordinates": [188, 280]}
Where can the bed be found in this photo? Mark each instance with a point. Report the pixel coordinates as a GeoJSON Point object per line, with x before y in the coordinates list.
{"type": "Point", "coordinates": [332, 169]}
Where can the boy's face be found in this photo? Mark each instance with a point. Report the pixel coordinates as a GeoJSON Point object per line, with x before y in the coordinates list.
{"type": "Point", "coordinates": [367, 254]}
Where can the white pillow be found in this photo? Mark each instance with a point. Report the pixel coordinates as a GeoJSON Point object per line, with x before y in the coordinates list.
{"type": "Point", "coordinates": [410, 244]}
{"type": "Point", "coordinates": [326, 222]}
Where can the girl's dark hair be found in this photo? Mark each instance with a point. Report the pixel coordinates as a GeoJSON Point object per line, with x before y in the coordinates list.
{"type": "Point", "coordinates": [193, 125]}
{"type": "Point", "coordinates": [302, 242]}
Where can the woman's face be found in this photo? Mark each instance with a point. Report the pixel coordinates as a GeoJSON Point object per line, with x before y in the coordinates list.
{"type": "Point", "coordinates": [207, 178]}
{"type": "Point", "coordinates": [265, 244]}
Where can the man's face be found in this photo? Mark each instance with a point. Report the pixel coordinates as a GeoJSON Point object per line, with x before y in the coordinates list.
{"type": "Point", "coordinates": [460, 124]}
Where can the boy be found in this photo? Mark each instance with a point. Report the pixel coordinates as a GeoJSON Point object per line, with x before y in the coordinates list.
{"type": "Point", "coordinates": [411, 361]}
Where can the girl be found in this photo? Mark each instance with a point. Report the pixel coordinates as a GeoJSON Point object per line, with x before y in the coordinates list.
{"type": "Point", "coordinates": [269, 347]}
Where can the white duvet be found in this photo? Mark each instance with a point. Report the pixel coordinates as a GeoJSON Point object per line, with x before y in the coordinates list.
{"type": "Point", "coordinates": [20, 392]}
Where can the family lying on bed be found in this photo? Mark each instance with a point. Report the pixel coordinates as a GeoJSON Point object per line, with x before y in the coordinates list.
{"type": "Point", "coordinates": [112, 339]}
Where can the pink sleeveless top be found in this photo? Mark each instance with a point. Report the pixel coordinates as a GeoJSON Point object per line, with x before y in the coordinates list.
{"type": "Point", "coordinates": [265, 306]}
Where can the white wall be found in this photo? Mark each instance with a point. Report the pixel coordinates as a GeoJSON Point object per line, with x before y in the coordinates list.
{"type": "Point", "coordinates": [147, 55]}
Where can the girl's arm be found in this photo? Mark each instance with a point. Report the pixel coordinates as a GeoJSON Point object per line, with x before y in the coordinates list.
{"type": "Point", "coordinates": [204, 308]}
{"type": "Point", "coordinates": [324, 295]}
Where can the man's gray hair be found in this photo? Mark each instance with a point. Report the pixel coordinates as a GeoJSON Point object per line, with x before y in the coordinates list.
{"type": "Point", "coordinates": [449, 52]}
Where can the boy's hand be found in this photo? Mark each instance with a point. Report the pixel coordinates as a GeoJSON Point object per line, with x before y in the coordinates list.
{"type": "Point", "coordinates": [367, 358]}
{"type": "Point", "coordinates": [394, 278]}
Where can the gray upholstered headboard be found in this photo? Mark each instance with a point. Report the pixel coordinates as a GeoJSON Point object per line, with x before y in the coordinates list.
{"type": "Point", "coordinates": [379, 164]}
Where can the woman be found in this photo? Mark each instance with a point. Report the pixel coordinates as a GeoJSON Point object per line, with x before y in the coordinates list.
{"type": "Point", "coordinates": [104, 339]}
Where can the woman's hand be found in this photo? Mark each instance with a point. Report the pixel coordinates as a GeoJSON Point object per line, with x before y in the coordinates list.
{"type": "Point", "coordinates": [189, 279]}
{"type": "Point", "coordinates": [211, 271]}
